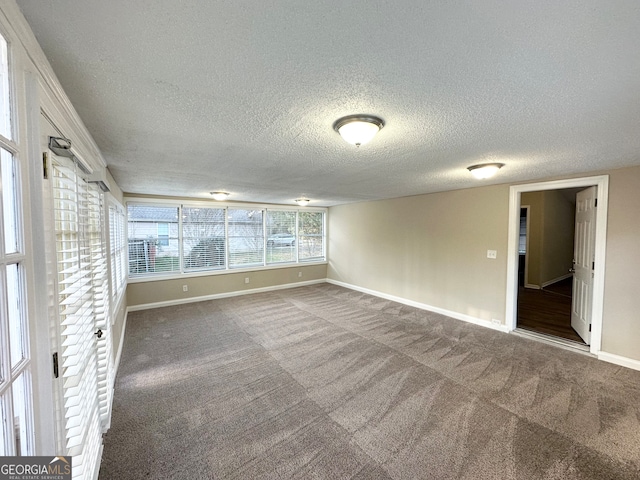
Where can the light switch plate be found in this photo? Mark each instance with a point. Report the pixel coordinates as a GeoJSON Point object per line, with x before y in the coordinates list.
{"type": "Point", "coordinates": [492, 254]}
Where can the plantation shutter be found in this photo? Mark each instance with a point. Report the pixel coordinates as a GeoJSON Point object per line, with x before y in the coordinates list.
{"type": "Point", "coordinates": [77, 310]}
{"type": "Point", "coordinates": [101, 301]}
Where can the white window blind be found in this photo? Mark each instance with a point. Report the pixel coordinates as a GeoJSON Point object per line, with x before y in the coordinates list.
{"type": "Point", "coordinates": [147, 252]}
{"type": "Point", "coordinates": [281, 236]}
{"type": "Point", "coordinates": [78, 302]}
{"type": "Point", "coordinates": [203, 238]}
{"type": "Point", "coordinates": [246, 237]}
{"type": "Point", "coordinates": [118, 249]}
{"type": "Point", "coordinates": [101, 301]}
{"type": "Point", "coordinates": [310, 236]}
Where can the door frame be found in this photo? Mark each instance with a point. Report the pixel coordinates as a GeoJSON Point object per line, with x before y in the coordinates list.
{"type": "Point", "coordinates": [600, 181]}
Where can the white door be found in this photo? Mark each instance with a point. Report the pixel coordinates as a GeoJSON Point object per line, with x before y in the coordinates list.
{"type": "Point", "coordinates": [74, 208]}
{"type": "Point", "coordinates": [583, 260]}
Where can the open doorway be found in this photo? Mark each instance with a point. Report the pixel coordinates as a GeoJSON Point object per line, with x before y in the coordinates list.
{"type": "Point", "coordinates": [545, 263]}
{"type": "Point", "coordinates": [593, 303]}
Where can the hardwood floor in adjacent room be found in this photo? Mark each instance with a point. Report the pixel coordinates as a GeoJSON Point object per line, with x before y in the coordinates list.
{"type": "Point", "coordinates": [548, 310]}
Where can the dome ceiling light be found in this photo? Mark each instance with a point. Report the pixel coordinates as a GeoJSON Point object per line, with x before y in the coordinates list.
{"type": "Point", "coordinates": [485, 170]}
{"type": "Point", "coordinates": [358, 129]}
{"type": "Point", "coordinates": [303, 202]}
{"type": "Point", "coordinates": [219, 195]}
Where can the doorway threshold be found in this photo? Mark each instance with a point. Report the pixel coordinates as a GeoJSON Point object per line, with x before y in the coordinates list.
{"type": "Point", "coordinates": [552, 340]}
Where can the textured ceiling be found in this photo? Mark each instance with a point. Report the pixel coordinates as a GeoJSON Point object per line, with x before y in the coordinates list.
{"type": "Point", "coordinates": [188, 97]}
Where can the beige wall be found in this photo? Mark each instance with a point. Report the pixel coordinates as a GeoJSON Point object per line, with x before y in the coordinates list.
{"type": "Point", "coordinates": [151, 292]}
{"type": "Point", "coordinates": [535, 201]}
{"type": "Point", "coordinates": [621, 323]}
{"type": "Point", "coordinates": [559, 226]}
{"type": "Point", "coordinates": [551, 226]}
{"type": "Point", "coordinates": [432, 249]}
{"type": "Point", "coordinates": [429, 248]}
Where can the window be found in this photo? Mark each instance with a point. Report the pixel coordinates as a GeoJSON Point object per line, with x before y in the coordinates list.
{"type": "Point", "coordinates": [5, 96]}
{"type": "Point", "coordinates": [82, 281]}
{"type": "Point", "coordinates": [203, 238]}
{"type": "Point", "coordinates": [16, 408]}
{"type": "Point", "coordinates": [246, 237]}
{"type": "Point", "coordinates": [163, 234]}
{"type": "Point", "coordinates": [190, 238]}
{"type": "Point", "coordinates": [311, 235]}
{"type": "Point", "coordinates": [146, 253]}
{"type": "Point", "coordinates": [281, 236]}
{"type": "Point", "coordinates": [117, 248]}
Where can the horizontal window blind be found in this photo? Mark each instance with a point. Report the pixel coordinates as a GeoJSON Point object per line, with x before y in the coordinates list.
{"type": "Point", "coordinates": [281, 236]}
{"type": "Point", "coordinates": [203, 238]}
{"type": "Point", "coordinates": [199, 238]}
{"type": "Point", "coordinates": [147, 252]}
{"type": "Point", "coordinates": [245, 237]}
{"type": "Point", "coordinates": [311, 235]}
{"type": "Point", "coordinates": [117, 244]}
{"type": "Point", "coordinates": [101, 301]}
{"type": "Point", "coordinates": [73, 210]}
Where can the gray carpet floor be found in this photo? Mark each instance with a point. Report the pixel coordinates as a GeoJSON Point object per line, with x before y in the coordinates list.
{"type": "Point", "coordinates": [321, 382]}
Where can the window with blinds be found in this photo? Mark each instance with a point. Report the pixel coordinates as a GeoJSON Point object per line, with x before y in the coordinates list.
{"type": "Point", "coordinates": [310, 236]}
{"type": "Point", "coordinates": [220, 238]}
{"type": "Point", "coordinates": [203, 238]}
{"type": "Point", "coordinates": [81, 301]}
{"type": "Point", "coordinates": [101, 299]}
{"type": "Point", "coordinates": [117, 243]}
{"type": "Point", "coordinates": [148, 253]}
{"type": "Point", "coordinates": [281, 236]}
{"type": "Point", "coordinates": [245, 232]}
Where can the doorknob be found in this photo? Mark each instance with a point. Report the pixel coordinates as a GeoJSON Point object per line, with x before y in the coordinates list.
{"type": "Point", "coordinates": [99, 333]}
{"type": "Point", "coordinates": [572, 270]}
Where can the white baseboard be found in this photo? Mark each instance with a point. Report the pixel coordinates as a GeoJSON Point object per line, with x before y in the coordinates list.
{"type": "Point", "coordinates": [215, 296]}
{"type": "Point", "coordinates": [424, 306]}
{"type": "Point", "coordinates": [116, 363]}
{"type": "Point", "coordinates": [556, 280]}
{"type": "Point", "coordinates": [532, 286]}
{"type": "Point", "coordinates": [619, 360]}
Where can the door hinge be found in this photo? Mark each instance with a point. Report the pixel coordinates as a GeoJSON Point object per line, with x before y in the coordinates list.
{"type": "Point", "coordinates": [45, 161]}
{"type": "Point", "coordinates": [596, 204]}
{"type": "Point", "coordinates": [593, 265]}
{"type": "Point", "coordinates": [55, 365]}
{"type": "Point", "coordinates": [589, 327]}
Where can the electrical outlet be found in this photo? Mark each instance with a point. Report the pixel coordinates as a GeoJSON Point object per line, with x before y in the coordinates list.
{"type": "Point", "coordinates": [299, 274]}
{"type": "Point", "coordinates": [493, 254]}
{"type": "Point", "coordinates": [495, 321]}
{"type": "Point", "coordinates": [185, 288]}
{"type": "Point", "coordinates": [246, 279]}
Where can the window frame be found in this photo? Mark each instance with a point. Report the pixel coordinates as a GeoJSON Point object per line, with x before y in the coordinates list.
{"type": "Point", "coordinates": [25, 369]}
{"type": "Point", "coordinates": [184, 273]}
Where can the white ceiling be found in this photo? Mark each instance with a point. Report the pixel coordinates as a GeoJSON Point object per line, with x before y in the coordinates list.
{"type": "Point", "coordinates": [188, 97]}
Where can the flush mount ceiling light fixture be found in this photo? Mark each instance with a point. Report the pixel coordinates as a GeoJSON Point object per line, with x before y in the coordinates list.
{"type": "Point", "coordinates": [485, 170]}
{"type": "Point", "coordinates": [219, 195]}
{"type": "Point", "coordinates": [358, 129]}
{"type": "Point", "coordinates": [303, 202]}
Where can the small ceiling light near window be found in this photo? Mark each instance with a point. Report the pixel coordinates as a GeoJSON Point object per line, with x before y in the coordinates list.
{"type": "Point", "coordinates": [358, 129]}
{"type": "Point", "coordinates": [485, 170]}
{"type": "Point", "coordinates": [303, 202]}
{"type": "Point", "coordinates": [219, 195]}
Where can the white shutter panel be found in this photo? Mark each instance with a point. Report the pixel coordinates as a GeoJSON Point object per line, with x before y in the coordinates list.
{"type": "Point", "coordinates": [78, 359]}
{"type": "Point", "coordinates": [101, 301]}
